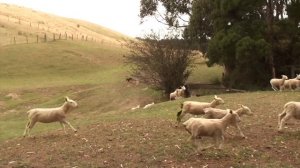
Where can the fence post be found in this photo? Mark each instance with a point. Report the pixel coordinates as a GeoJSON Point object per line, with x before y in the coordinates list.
{"type": "Point", "coordinates": [72, 37]}
{"type": "Point", "coordinates": [53, 36]}
{"type": "Point", "coordinates": [14, 40]}
{"type": "Point", "coordinates": [45, 38]}
{"type": "Point", "coordinates": [59, 36]}
{"type": "Point", "coordinates": [37, 38]}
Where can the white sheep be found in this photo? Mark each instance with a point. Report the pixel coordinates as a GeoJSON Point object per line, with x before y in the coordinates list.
{"type": "Point", "coordinates": [196, 108]}
{"type": "Point", "coordinates": [48, 115]}
{"type": "Point", "coordinates": [292, 84]}
{"type": "Point", "coordinates": [214, 113]}
{"type": "Point", "coordinates": [215, 128]}
{"type": "Point", "coordinates": [290, 110]}
{"type": "Point", "coordinates": [177, 93]}
{"type": "Point", "coordinates": [136, 107]}
{"type": "Point", "coordinates": [148, 105]}
{"type": "Point", "coordinates": [278, 83]}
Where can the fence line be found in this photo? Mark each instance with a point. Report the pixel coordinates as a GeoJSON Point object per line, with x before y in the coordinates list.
{"type": "Point", "coordinates": [23, 37]}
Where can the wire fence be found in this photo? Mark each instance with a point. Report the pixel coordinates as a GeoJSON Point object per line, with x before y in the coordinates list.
{"type": "Point", "coordinates": [15, 30]}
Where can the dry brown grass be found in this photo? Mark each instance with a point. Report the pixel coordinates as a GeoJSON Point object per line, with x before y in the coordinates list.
{"type": "Point", "coordinates": [20, 22]}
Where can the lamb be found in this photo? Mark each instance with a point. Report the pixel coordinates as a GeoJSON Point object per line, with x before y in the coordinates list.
{"type": "Point", "coordinates": [290, 110]}
{"type": "Point", "coordinates": [215, 128]}
{"type": "Point", "coordinates": [48, 115]}
{"type": "Point", "coordinates": [292, 84]}
{"type": "Point", "coordinates": [148, 105]}
{"type": "Point", "coordinates": [277, 83]}
{"type": "Point", "coordinates": [197, 108]}
{"type": "Point", "coordinates": [178, 93]}
{"type": "Point", "coordinates": [214, 113]}
{"type": "Point", "coordinates": [136, 107]}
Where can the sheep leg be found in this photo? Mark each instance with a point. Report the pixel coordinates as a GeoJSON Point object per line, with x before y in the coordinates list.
{"type": "Point", "coordinates": [280, 116]}
{"type": "Point", "coordinates": [63, 126]}
{"type": "Point", "coordinates": [284, 119]}
{"type": "Point", "coordinates": [26, 129]}
{"type": "Point", "coordinates": [240, 131]}
{"type": "Point", "coordinates": [219, 141]}
{"type": "Point", "coordinates": [66, 122]}
{"type": "Point", "coordinates": [30, 125]}
{"type": "Point", "coordinates": [196, 142]}
{"type": "Point", "coordinates": [274, 88]}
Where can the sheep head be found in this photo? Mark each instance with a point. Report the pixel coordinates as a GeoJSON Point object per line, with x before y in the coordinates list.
{"type": "Point", "coordinates": [236, 117]}
{"type": "Point", "coordinates": [218, 100]}
{"type": "Point", "coordinates": [70, 102]}
{"type": "Point", "coordinates": [284, 77]}
{"type": "Point", "coordinates": [247, 110]}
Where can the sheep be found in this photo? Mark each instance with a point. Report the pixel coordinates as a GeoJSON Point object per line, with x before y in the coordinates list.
{"type": "Point", "coordinates": [290, 110]}
{"type": "Point", "coordinates": [178, 93]}
{"type": "Point", "coordinates": [214, 113]}
{"type": "Point", "coordinates": [136, 107]}
{"type": "Point", "coordinates": [148, 105]}
{"type": "Point", "coordinates": [215, 128]}
{"type": "Point", "coordinates": [196, 108]}
{"type": "Point", "coordinates": [48, 115]}
{"type": "Point", "coordinates": [292, 84]}
{"type": "Point", "coordinates": [277, 83]}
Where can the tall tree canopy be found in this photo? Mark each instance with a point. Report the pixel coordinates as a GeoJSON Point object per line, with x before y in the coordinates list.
{"type": "Point", "coordinates": [253, 39]}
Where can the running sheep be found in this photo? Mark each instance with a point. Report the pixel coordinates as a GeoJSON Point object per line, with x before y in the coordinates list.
{"type": "Point", "coordinates": [290, 110]}
{"type": "Point", "coordinates": [178, 93]}
{"type": "Point", "coordinates": [196, 108]}
{"type": "Point", "coordinates": [292, 84]}
{"type": "Point", "coordinates": [214, 113]}
{"type": "Point", "coordinates": [215, 128]}
{"type": "Point", "coordinates": [48, 115]}
{"type": "Point", "coordinates": [278, 83]}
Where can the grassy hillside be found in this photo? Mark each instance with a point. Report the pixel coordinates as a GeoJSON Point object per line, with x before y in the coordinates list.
{"type": "Point", "coordinates": [110, 134]}
{"type": "Point", "coordinates": [17, 23]}
{"type": "Point", "coordinates": [149, 138]}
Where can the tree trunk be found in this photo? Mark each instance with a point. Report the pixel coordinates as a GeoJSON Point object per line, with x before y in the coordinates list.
{"type": "Point", "coordinates": [270, 34]}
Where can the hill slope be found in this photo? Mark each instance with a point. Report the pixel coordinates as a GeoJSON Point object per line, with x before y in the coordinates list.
{"type": "Point", "coordinates": [19, 24]}
{"type": "Point", "coordinates": [148, 138]}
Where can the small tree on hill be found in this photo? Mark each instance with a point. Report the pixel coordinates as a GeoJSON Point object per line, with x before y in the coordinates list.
{"type": "Point", "coordinates": [164, 64]}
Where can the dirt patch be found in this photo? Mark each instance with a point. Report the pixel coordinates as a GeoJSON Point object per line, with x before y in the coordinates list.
{"type": "Point", "coordinates": [150, 143]}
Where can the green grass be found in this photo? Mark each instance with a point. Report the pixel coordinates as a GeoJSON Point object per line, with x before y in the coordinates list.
{"type": "Point", "coordinates": [59, 63]}
{"type": "Point", "coordinates": [202, 74]}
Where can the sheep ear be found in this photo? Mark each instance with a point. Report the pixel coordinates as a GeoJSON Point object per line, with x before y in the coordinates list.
{"type": "Point", "coordinates": [66, 98]}
{"type": "Point", "coordinates": [230, 111]}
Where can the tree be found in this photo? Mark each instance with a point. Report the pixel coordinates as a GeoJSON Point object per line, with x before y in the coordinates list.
{"type": "Point", "coordinates": [164, 64]}
{"type": "Point", "coordinates": [244, 36]}
{"type": "Point", "coordinates": [173, 12]}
